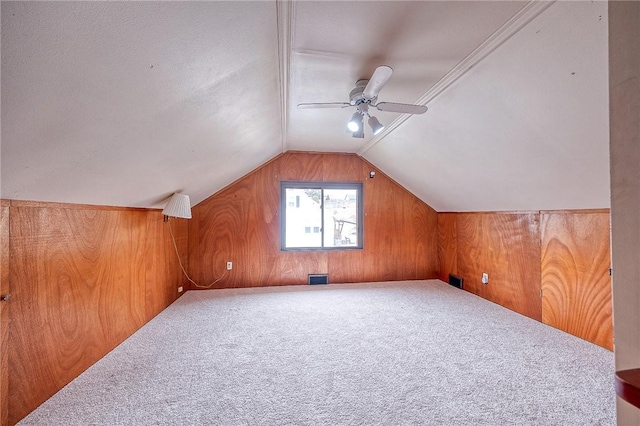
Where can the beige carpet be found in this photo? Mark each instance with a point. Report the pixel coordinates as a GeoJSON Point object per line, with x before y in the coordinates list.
{"type": "Point", "coordinates": [398, 353]}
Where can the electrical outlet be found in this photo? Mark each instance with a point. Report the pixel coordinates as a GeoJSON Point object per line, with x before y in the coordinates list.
{"type": "Point", "coordinates": [485, 278]}
{"type": "Point", "coordinates": [180, 289]}
{"type": "Point", "coordinates": [229, 266]}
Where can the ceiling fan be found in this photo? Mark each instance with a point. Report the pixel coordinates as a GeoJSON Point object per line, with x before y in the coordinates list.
{"type": "Point", "coordinates": [365, 95]}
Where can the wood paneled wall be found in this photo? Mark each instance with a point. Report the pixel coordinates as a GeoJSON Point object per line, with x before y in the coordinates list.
{"type": "Point", "coordinates": [4, 312]}
{"type": "Point", "coordinates": [564, 253]}
{"type": "Point", "coordinates": [447, 245]}
{"type": "Point", "coordinates": [82, 280]}
{"type": "Point", "coordinates": [506, 247]}
{"type": "Point", "coordinates": [503, 245]}
{"type": "Point", "coordinates": [163, 274]}
{"type": "Point", "coordinates": [241, 224]}
{"type": "Point", "coordinates": [576, 284]}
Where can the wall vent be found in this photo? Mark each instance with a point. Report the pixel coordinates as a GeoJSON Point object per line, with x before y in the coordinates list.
{"type": "Point", "coordinates": [455, 280]}
{"type": "Point", "coordinates": [314, 279]}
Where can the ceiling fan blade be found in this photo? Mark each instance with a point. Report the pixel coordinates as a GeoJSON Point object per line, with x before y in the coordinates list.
{"type": "Point", "coordinates": [325, 105]}
{"type": "Point", "coordinates": [377, 80]}
{"type": "Point", "coordinates": [402, 108]}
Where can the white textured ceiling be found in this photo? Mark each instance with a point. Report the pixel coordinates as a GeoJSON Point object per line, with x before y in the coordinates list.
{"type": "Point", "coordinates": [525, 129]}
{"type": "Point", "coordinates": [123, 103]}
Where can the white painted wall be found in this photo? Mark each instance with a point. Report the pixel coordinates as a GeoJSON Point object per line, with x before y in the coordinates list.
{"type": "Point", "coordinates": [624, 33]}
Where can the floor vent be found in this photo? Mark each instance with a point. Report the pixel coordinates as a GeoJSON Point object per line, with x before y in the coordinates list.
{"type": "Point", "coordinates": [314, 279]}
{"type": "Point", "coordinates": [455, 281]}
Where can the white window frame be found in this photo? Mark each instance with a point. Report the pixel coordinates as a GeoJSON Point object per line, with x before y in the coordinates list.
{"type": "Point", "coordinates": [357, 186]}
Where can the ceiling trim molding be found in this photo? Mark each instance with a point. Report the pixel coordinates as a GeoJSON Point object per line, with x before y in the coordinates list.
{"type": "Point", "coordinates": [284, 11]}
{"type": "Point", "coordinates": [518, 21]}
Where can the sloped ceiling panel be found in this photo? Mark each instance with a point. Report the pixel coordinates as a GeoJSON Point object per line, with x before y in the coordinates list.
{"type": "Point", "coordinates": [525, 129]}
{"type": "Point", "coordinates": [123, 103]}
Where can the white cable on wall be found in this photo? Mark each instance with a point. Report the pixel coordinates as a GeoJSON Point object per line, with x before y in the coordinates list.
{"type": "Point", "coordinates": [175, 246]}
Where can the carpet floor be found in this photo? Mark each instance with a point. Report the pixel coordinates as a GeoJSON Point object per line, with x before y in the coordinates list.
{"type": "Point", "coordinates": [396, 353]}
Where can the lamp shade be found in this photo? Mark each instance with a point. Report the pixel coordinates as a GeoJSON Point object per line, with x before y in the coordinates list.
{"type": "Point", "coordinates": [178, 206]}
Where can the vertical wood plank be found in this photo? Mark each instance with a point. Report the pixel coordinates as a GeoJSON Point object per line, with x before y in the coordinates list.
{"type": "Point", "coordinates": [194, 256]}
{"type": "Point", "coordinates": [471, 243]}
{"type": "Point", "coordinates": [343, 168]}
{"type": "Point", "coordinates": [163, 272]}
{"type": "Point", "coordinates": [4, 312]}
{"type": "Point", "coordinates": [575, 280]}
{"type": "Point", "coordinates": [506, 246]}
{"type": "Point", "coordinates": [383, 225]}
{"type": "Point", "coordinates": [447, 245]}
{"type": "Point", "coordinates": [301, 166]}
{"type": "Point", "coordinates": [515, 256]}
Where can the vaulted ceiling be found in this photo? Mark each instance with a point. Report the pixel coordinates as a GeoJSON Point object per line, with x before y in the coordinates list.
{"type": "Point", "coordinates": [124, 103]}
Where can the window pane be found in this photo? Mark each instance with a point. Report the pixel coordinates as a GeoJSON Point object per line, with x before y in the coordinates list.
{"type": "Point", "coordinates": [340, 217]}
{"type": "Point", "coordinates": [303, 214]}
{"type": "Point", "coordinates": [321, 215]}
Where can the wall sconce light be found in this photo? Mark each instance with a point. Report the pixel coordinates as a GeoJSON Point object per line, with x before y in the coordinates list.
{"type": "Point", "coordinates": [372, 174]}
{"type": "Point", "coordinates": [178, 206]}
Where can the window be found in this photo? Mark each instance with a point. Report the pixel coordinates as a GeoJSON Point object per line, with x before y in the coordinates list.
{"type": "Point", "coordinates": [333, 210]}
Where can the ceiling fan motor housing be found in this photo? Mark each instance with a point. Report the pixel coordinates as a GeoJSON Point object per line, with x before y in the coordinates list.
{"type": "Point", "coordinates": [356, 96]}
{"type": "Point", "coordinates": [365, 95]}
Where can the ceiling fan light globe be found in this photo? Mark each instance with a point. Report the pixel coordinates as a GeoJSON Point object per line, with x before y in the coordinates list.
{"type": "Point", "coordinates": [376, 126]}
{"type": "Point", "coordinates": [355, 123]}
{"type": "Point", "coordinates": [358, 134]}
{"type": "Point", "coordinates": [353, 126]}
